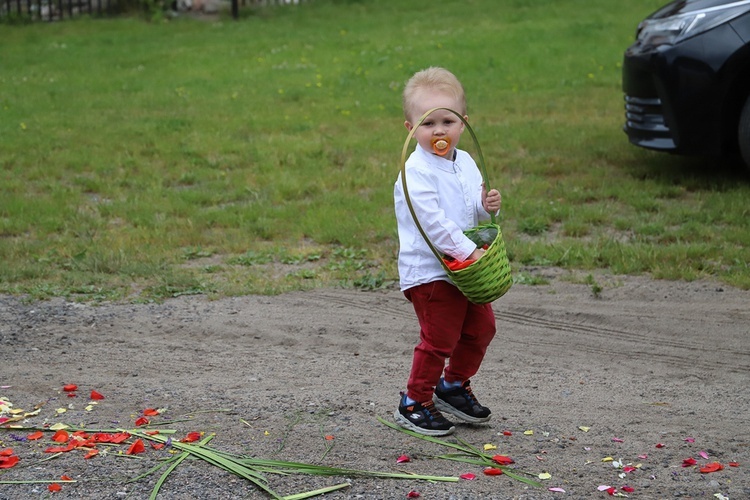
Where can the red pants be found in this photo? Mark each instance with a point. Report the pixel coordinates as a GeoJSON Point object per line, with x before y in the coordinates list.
{"type": "Point", "coordinates": [451, 328]}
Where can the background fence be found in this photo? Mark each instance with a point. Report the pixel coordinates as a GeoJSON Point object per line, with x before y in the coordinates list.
{"type": "Point", "coordinates": [55, 10]}
{"type": "Point", "coordinates": [51, 10]}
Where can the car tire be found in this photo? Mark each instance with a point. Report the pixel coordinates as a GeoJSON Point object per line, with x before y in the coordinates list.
{"type": "Point", "coordinates": [743, 133]}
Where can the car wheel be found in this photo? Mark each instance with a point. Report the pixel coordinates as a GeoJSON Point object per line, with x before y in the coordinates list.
{"type": "Point", "coordinates": [743, 133]}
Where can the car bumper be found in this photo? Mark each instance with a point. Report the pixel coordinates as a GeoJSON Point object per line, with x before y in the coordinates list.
{"type": "Point", "coordinates": [673, 93]}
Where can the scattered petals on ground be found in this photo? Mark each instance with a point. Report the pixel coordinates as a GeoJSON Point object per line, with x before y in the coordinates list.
{"type": "Point", "coordinates": [503, 460]}
{"type": "Point", "coordinates": [136, 447]}
{"type": "Point", "coordinates": [35, 435]}
{"type": "Point", "coordinates": [191, 437]}
{"type": "Point", "coordinates": [712, 467]}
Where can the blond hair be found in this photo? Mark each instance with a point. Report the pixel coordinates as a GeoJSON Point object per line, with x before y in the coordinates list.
{"type": "Point", "coordinates": [436, 79]}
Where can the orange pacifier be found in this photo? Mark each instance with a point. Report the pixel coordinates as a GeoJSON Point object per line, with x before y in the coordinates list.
{"type": "Point", "coordinates": [441, 145]}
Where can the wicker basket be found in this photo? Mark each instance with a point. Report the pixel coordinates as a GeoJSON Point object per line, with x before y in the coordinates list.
{"type": "Point", "coordinates": [489, 278]}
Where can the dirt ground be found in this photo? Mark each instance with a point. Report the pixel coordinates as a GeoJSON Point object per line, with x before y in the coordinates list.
{"type": "Point", "coordinates": [616, 390]}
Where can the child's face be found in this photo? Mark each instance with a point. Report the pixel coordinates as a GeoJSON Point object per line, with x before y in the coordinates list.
{"type": "Point", "coordinates": [440, 131]}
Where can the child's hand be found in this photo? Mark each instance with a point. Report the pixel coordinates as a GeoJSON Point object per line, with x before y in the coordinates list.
{"type": "Point", "coordinates": [491, 201]}
{"type": "Point", "coordinates": [476, 254]}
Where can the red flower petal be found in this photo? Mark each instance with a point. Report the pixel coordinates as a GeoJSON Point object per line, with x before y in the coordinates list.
{"type": "Point", "coordinates": [119, 437]}
{"type": "Point", "coordinates": [503, 460]}
{"type": "Point", "coordinates": [413, 494]}
{"type": "Point", "coordinates": [54, 487]}
{"type": "Point", "coordinates": [402, 459]}
{"type": "Point", "coordinates": [66, 478]}
{"type": "Point", "coordinates": [689, 462]}
{"type": "Point", "coordinates": [141, 421]}
{"type": "Point", "coordinates": [6, 452]}
{"type": "Point", "coordinates": [712, 467]}
{"type": "Point", "coordinates": [72, 395]}
{"type": "Point", "coordinates": [91, 454]}
{"type": "Point", "coordinates": [70, 387]}
{"type": "Point", "coordinates": [60, 449]}
{"type": "Point", "coordinates": [628, 489]}
{"type": "Point", "coordinates": [611, 491]}
{"type": "Point", "coordinates": [492, 471]}
{"type": "Point", "coordinates": [191, 437]}
{"type": "Point", "coordinates": [150, 412]}
{"type": "Point", "coordinates": [152, 433]}
{"type": "Point", "coordinates": [468, 476]}
{"type": "Point", "coordinates": [96, 395]}
{"type": "Point", "coordinates": [660, 445]}
{"type": "Point", "coordinates": [136, 447]}
{"type": "Point", "coordinates": [734, 464]}
{"type": "Point", "coordinates": [8, 462]}
{"type": "Point", "coordinates": [61, 436]}
{"type": "Point", "coordinates": [157, 446]}
{"type": "Point", "coordinates": [507, 433]}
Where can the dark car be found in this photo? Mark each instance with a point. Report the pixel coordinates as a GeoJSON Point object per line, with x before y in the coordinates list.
{"type": "Point", "coordinates": [687, 80]}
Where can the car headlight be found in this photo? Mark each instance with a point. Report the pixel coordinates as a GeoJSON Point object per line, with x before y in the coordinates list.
{"type": "Point", "coordinates": [661, 28]}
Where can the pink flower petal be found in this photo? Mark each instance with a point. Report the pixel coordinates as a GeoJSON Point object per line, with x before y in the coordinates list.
{"type": "Point", "coordinates": [617, 440]}
{"type": "Point", "coordinates": [557, 490]}
{"type": "Point", "coordinates": [413, 494]}
{"type": "Point", "coordinates": [703, 454]}
{"type": "Point", "coordinates": [468, 476]}
{"type": "Point", "coordinates": [689, 440]}
{"type": "Point", "coordinates": [603, 487]}
{"type": "Point", "coordinates": [660, 445]}
{"type": "Point", "coordinates": [402, 459]}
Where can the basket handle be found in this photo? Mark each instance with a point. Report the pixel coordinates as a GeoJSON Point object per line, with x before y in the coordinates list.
{"type": "Point", "coordinates": [482, 169]}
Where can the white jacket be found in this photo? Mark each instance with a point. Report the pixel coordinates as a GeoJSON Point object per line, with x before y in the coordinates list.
{"type": "Point", "coordinates": [447, 199]}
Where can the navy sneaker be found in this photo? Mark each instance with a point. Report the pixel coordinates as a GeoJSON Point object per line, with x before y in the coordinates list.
{"type": "Point", "coordinates": [461, 403]}
{"type": "Point", "coordinates": [423, 418]}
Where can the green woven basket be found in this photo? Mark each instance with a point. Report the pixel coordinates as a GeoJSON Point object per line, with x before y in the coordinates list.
{"type": "Point", "coordinates": [489, 278]}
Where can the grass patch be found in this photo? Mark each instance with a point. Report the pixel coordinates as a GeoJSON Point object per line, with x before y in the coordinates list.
{"type": "Point", "coordinates": [147, 160]}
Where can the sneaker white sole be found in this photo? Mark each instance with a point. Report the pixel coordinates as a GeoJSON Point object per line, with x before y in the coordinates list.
{"type": "Point", "coordinates": [404, 422]}
{"type": "Point", "coordinates": [446, 408]}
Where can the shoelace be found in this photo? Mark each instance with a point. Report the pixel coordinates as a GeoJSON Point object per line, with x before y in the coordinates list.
{"type": "Point", "coordinates": [470, 396]}
{"type": "Point", "coordinates": [432, 412]}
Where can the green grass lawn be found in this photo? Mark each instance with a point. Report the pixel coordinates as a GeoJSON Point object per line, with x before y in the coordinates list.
{"type": "Point", "coordinates": [145, 160]}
